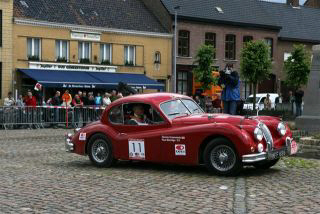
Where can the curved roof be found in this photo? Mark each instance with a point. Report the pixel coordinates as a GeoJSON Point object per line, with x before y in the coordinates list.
{"type": "Point", "coordinates": [155, 98]}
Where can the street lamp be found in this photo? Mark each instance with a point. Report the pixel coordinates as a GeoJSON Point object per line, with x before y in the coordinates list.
{"type": "Point", "coordinates": [174, 72]}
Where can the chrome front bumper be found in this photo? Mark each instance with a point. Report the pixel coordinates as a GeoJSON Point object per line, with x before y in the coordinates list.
{"type": "Point", "coordinates": [68, 144]}
{"type": "Point", "coordinates": [270, 155]}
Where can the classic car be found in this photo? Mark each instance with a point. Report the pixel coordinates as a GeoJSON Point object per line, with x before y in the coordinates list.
{"type": "Point", "coordinates": [175, 130]}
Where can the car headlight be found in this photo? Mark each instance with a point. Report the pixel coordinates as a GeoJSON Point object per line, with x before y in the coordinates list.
{"type": "Point", "coordinates": [258, 135]}
{"type": "Point", "coordinates": [282, 129]}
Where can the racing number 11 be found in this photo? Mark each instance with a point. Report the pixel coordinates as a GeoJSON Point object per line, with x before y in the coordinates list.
{"type": "Point", "coordinates": [136, 149]}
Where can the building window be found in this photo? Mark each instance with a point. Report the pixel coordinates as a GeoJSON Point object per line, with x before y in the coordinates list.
{"type": "Point", "coordinates": [210, 39]}
{"type": "Point", "coordinates": [62, 51]}
{"type": "Point", "coordinates": [105, 54]}
{"type": "Point", "coordinates": [33, 49]}
{"type": "Point", "coordinates": [0, 31]}
{"type": "Point", "coordinates": [230, 47]}
{"type": "Point", "coordinates": [183, 43]}
{"type": "Point", "coordinates": [84, 52]}
{"type": "Point", "coordinates": [157, 57]}
{"type": "Point", "coordinates": [182, 82]}
{"type": "Point", "coordinates": [129, 55]}
{"type": "Point", "coordinates": [269, 42]}
{"type": "Point", "coordinates": [247, 39]}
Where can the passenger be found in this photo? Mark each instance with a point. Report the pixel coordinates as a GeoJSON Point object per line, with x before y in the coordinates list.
{"type": "Point", "coordinates": [138, 118]}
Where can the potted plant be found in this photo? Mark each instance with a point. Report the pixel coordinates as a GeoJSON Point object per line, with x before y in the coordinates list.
{"type": "Point", "coordinates": [61, 59]}
{"type": "Point", "coordinates": [33, 58]}
{"type": "Point", "coordinates": [84, 61]}
{"type": "Point", "coordinates": [105, 62]}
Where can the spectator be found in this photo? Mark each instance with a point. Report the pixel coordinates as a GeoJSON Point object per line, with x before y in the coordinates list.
{"type": "Point", "coordinates": [9, 101]}
{"type": "Point", "coordinates": [85, 99]}
{"type": "Point", "coordinates": [113, 96]}
{"type": "Point", "coordinates": [217, 102]}
{"type": "Point", "coordinates": [90, 113]}
{"type": "Point", "coordinates": [298, 99]}
{"type": "Point", "coordinates": [55, 101]}
{"type": "Point", "coordinates": [119, 95]}
{"type": "Point", "coordinates": [267, 103]}
{"type": "Point", "coordinates": [30, 100]}
{"type": "Point", "coordinates": [80, 94]}
{"type": "Point", "coordinates": [278, 101]}
{"type": "Point", "coordinates": [98, 100]}
{"type": "Point", "coordinates": [66, 98]}
{"type": "Point", "coordinates": [77, 103]}
{"type": "Point", "coordinates": [292, 101]}
{"type": "Point", "coordinates": [20, 102]}
{"type": "Point", "coordinates": [106, 100]}
{"type": "Point", "coordinates": [230, 84]}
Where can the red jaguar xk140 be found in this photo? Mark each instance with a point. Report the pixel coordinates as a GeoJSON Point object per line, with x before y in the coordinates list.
{"type": "Point", "coordinates": [172, 128]}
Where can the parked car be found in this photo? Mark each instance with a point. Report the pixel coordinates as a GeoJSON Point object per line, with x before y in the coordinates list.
{"type": "Point", "coordinates": [248, 105]}
{"type": "Point", "coordinates": [177, 131]}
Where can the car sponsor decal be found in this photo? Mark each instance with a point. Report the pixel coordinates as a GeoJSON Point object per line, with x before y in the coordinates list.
{"type": "Point", "coordinates": [83, 136]}
{"type": "Point", "coordinates": [136, 149]}
{"type": "Point", "coordinates": [172, 138]}
{"type": "Point", "coordinates": [180, 149]}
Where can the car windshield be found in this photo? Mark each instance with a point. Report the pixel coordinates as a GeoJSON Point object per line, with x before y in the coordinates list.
{"type": "Point", "coordinates": [176, 108]}
{"type": "Point", "coordinates": [250, 99]}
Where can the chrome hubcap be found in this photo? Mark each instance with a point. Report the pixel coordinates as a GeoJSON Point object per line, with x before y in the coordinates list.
{"type": "Point", "coordinates": [99, 151]}
{"type": "Point", "coordinates": [223, 158]}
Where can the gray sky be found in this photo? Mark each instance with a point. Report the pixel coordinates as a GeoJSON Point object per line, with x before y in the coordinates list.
{"type": "Point", "coordinates": [284, 1]}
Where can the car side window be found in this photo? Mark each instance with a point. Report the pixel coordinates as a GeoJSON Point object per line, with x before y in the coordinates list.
{"type": "Point", "coordinates": [141, 114]}
{"type": "Point", "coordinates": [262, 100]}
{"type": "Point", "coordinates": [116, 115]}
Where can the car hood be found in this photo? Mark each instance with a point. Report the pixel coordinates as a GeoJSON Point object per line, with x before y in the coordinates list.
{"type": "Point", "coordinates": [223, 118]}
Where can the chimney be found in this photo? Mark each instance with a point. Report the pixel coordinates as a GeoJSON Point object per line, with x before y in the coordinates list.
{"type": "Point", "coordinates": [312, 3]}
{"type": "Point", "coordinates": [293, 3]}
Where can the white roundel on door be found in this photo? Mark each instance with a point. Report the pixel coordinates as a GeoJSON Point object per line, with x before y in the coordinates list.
{"type": "Point", "coordinates": [180, 149]}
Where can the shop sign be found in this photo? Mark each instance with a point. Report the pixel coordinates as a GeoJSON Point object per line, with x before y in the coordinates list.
{"type": "Point", "coordinates": [71, 67]}
{"type": "Point", "coordinates": [85, 86]}
{"type": "Point", "coordinates": [85, 36]}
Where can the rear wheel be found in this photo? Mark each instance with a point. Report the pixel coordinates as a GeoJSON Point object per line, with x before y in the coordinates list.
{"type": "Point", "coordinates": [220, 157]}
{"type": "Point", "coordinates": [100, 151]}
{"type": "Point", "coordinates": [265, 164]}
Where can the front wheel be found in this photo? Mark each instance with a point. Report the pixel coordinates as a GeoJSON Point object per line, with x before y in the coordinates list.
{"type": "Point", "coordinates": [220, 157]}
{"type": "Point", "coordinates": [100, 151]}
{"type": "Point", "coordinates": [265, 164]}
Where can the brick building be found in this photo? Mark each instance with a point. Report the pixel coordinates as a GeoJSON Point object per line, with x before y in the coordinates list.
{"type": "Point", "coordinates": [227, 25]}
{"type": "Point", "coordinates": [6, 12]}
{"type": "Point", "coordinates": [89, 45]}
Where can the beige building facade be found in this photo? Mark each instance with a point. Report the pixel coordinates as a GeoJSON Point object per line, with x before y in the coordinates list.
{"type": "Point", "coordinates": [6, 51]}
{"type": "Point", "coordinates": [46, 43]}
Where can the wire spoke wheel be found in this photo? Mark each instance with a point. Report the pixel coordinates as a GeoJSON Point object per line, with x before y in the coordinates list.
{"type": "Point", "coordinates": [99, 151]}
{"type": "Point", "coordinates": [223, 158]}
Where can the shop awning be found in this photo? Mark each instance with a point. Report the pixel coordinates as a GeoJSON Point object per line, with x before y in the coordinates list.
{"type": "Point", "coordinates": [89, 80]}
{"type": "Point", "coordinates": [134, 80]}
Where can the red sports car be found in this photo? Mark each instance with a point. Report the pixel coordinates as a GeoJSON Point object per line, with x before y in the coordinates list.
{"type": "Point", "coordinates": [172, 128]}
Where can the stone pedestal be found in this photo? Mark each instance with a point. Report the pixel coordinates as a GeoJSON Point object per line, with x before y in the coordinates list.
{"type": "Point", "coordinates": [310, 119]}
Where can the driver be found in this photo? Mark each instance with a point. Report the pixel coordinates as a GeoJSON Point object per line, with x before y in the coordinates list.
{"type": "Point", "coordinates": [138, 118]}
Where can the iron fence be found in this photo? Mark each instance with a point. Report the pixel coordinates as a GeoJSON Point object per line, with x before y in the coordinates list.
{"type": "Point", "coordinates": [48, 116]}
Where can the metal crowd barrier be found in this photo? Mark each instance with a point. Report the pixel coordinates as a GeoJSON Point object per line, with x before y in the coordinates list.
{"type": "Point", "coordinates": [48, 116]}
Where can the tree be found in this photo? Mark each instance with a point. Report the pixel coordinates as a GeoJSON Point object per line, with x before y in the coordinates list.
{"type": "Point", "coordinates": [297, 67]}
{"type": "Point", "coordinates": [255, 64]}
{"type": "Point", "coordinates": [203, 71]}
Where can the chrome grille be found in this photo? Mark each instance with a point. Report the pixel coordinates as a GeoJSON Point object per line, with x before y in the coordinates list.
{"type": "Point", "coordinates": [267, 135]}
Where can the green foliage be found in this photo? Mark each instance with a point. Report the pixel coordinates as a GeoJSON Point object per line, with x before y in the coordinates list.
{"type": "Point", "coordinates": [105, 62]}
{"type": "Point", "coordinates": [203, 71]}
{"type": "Point", "coordinates": [255, 64]}
{"type": "Point", "coordinates": [33, 58]}
{"type": "Point", "coordinates": [297, 67]}
{"type": "Point", "coordinates": [129, 63]}
{"type": "Point", "coordinates": [61, 59]}
{"type": "Point", "coordinates": [85, 61]}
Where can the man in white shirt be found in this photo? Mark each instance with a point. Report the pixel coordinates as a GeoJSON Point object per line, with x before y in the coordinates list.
{"type": "Point", "coordinates": [9, 101]}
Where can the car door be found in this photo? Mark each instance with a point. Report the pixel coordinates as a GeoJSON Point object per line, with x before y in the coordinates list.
{"type": "Point", "coordinates": [139, 142]}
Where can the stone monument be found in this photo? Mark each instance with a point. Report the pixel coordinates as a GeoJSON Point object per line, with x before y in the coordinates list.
{"type": "Point", "coordinates": [310, 119]}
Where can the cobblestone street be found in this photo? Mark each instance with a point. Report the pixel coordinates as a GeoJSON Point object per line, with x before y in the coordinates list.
{"type": "Point", "coordinates": [38, 176]}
